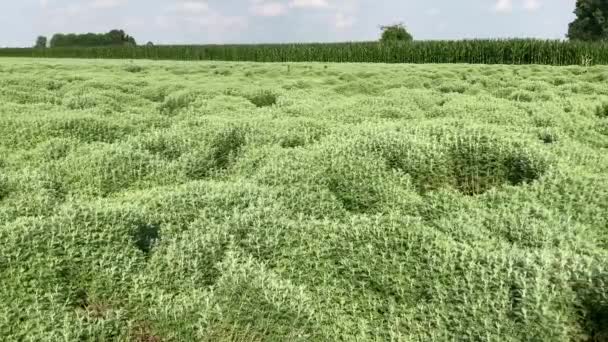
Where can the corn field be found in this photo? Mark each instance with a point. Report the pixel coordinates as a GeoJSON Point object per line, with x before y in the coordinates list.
{"type": "Point", "coordinates": [517, 51]}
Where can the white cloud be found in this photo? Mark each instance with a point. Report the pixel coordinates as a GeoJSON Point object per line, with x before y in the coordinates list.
{"type": "Point", "coordinates": [106, 3]}
{"type": "Point", "coordinates": [532, 5]}
{"type": "Point", "coordinates": [343, 21]}
{"type": "Point", "coordinates": [506, 6]}
{"type": "Point", "coordinates": [268, 9]}
{"type": "Point", "coordinates": [503, 6]}
{"type": "Point", "coordinates": [215, 25]}
{"type": "Point", "coordinates": [309, 4]}
{"type": "Point", "coordinates": [78, 8]}
{"type": "Point", "coordinates": [188, 18]}
{"type": "Point", "coordinates": [190, 7]}
{"type": "Point", "coordinates": [217, 22]}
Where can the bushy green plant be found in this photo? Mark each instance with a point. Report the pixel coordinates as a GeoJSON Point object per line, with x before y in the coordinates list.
{"type": "Point", "coordinates": [263, 98]}
{"type": "Point", "coordinates": [480, 163]}
{"type": "Point", "coordinates": [134, 68]}
{"type": "Point", "coordinates": [3, 186]}
{"type": "Point", "coordinates": [454, 87]}
{"type": "Point", "coordinates": [601, 111]}
{"type": "Point", "coordinates": [548, 137]}
{"type": "Point", "coordinates": [175, 102]}
{"type": "Point", "coordinates": [222, 151]}
{"type": "Point", "coordinates": [301, 134]}
{"type": "Point", "coordinates": [100, 170]}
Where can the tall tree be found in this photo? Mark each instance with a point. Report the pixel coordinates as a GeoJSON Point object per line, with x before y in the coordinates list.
{"type": "Point", "coordinates": [395, 33]}
{"type": "Point", "coordinates": [591, 21]}
{"type": "Point", "coordinates": [119, 37]}
{"type": "Point", "coordinates": [57, 40]}
{"type": "Point", "coordinates": [40, 42]}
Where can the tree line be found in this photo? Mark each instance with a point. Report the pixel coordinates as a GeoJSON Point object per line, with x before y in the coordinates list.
{"type": "Point", "coordinates": [112, 38]}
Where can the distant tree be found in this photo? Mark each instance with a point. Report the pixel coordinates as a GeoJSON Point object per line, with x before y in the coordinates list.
{"type": "Point", "coordinates": [119, 37]}
{"type": "Point", "coordinates": [591, 21]}
{"type": "Point", "coordinates": [112, 38]}
{"type": "Point", "coordinates": [149, 44]}
{"type": "Point", "coordinates": [57, 40]}
{"type": "Point", "coordinates": [41, 42]}
{"type": "Point", "coordinates": [395, 33]}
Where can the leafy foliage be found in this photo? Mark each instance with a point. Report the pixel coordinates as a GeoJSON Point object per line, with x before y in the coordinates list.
{"type": "Point", "coordinates": [133, 68]}
{"type": "Point", "coordinates": [602, 110]}
{"type": "Point", "coordinates": [395, 33]}
{"type": "Point", "coordinates": [41, 42]}
{"type": "Point", "coordinates": [112, 38]}
{"type": "Point", "coordinates": [263, 98]}
{"type": "Point", "coordinates": [591, 21]}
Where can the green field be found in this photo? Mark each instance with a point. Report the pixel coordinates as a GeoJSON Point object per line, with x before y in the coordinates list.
{"type": "Point", "coordinates": [222, 201]}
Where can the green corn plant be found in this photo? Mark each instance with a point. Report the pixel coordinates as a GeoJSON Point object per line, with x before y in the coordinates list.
{"type": "Point", "coordinates": [504, 51]}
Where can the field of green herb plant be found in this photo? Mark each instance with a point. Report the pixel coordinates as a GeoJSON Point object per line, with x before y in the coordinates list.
{"type": "Point", "coordinates": [216, 201]}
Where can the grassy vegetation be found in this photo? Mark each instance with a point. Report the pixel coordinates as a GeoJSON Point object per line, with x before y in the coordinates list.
{"type": "Point", "coordinates": [214, 201]}
{"type": "Point", "coordinates": [514, 51]}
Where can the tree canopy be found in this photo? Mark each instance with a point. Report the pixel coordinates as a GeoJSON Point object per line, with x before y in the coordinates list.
{"type": "Point", "coordinates": [41, 42]}
{"type": "Point", "coordinates": [591, 21]}
{"type": "Point", "coordinates": [395, 33]}
{"type": "Point", "coordinates": [114, 37]}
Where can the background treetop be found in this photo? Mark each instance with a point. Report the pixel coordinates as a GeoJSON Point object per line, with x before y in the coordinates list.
{"type": "Point", "coordinates": [112, 38]}
{"type": "Point", "coordinates": [591, 21]}
{"type": "Point", "coordinates": [395, 33]}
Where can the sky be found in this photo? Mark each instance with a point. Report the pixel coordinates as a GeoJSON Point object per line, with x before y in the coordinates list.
{"type": "Point", "coordinates": [278, 21]}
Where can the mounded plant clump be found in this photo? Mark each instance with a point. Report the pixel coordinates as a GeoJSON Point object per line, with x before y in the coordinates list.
{"type": "Point", "coordinates": [222, 151]}
{"type": "Point", "coordinates": [471, 164]}
{"type": "Point", "coordinates": [3, 187]}
{"type": "Point", "coordinates": [264, 98]}
{"type": "Point", "coordinates": [602, 111]}
{"type": "Point", "coordinates": [480, 164]}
